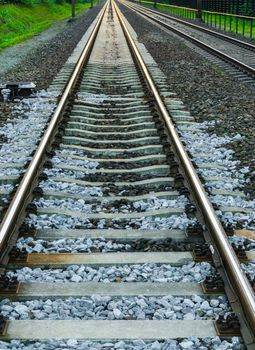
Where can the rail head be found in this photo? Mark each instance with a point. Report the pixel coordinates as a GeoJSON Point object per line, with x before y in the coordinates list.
{"type": "Point", "coordinates": [238, 280]}
{"type": "Point", "coordinates": [8, 228]}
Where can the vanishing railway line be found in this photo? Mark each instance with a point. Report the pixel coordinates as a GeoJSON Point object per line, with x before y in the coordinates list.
{"type": "Point", "coordinates": [112, 184]}
{"type": "Point", "coordinates": [234, 55]}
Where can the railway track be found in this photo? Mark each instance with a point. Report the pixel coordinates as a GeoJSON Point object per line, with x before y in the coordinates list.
{"type": "Point", "coordinates": [235, 56]}
{"type": "Point", "coordinates": [102, 237]}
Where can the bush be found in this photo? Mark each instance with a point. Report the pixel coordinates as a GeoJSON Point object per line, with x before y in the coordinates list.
{"type": "Point", "coordinates": [31, 3]}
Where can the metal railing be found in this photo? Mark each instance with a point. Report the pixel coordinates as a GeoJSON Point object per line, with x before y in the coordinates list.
{"type": "Point", "coordinates": [243, 25]}
{"type": "Point", "coordinates": [180, 11]}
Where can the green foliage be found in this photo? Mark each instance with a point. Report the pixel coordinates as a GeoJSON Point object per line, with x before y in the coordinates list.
{"type": "Point", "coordinates": [31, 3]}
{"type": "Point", "coordinates": [246, 9]}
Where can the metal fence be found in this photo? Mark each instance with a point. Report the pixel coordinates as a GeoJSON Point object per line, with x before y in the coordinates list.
{"type": "Point", "coordinates": [243, 25]}
{"type": "Point", "coordinates": [236, 16]}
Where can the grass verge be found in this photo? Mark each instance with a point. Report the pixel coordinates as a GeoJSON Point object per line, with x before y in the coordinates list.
{"type": "Point", "coordinates": [20, 22]}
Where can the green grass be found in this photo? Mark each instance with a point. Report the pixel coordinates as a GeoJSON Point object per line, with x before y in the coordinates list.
{"type": "Point", "coordinates": [243, 27]}
{"type": "Point", "coordinates": [20, 22]}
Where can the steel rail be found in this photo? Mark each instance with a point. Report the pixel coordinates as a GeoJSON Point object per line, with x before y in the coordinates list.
{"type": "Point", "coordinates": [8, 225]}
{"type": "Point", "coordinates": [202, 29]}
{"type": "Point", "coordinates": [249, 70]}
{"type": "Point", "coordinates": [234, 271]}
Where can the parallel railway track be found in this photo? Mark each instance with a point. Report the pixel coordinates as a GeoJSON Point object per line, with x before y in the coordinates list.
{"type": "Point", "coordinates": [235, 55]}
{"type": "Point", "coordinates": [120, 171]}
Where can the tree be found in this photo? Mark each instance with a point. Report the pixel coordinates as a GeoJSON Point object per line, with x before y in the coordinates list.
{"type": "Point", "coordinates": [247, 8]}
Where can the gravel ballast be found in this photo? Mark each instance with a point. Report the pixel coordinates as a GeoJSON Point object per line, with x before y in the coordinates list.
{"type": "Point", "coordinates": [99, 307]}
{"type": "Point", "coordinates": [105, 206]}
{"type": "Point", "coordinates": [22, 132]}
{"type": "Point", "coordinates": [192, 272]}
{"type": "Point", "coordinates": [79, 245]}
{"type": "Point", "coordinates": [88, 245]}
{"type": "Point", "coordinates": [46, 221]}
{"type": "Point", "coordinates": [190, 343]}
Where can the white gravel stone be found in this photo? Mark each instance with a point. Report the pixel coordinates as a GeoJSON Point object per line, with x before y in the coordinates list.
{"type": "Point", "coordinates": [6, 187]}
{"type": "Point", "coordinates": [249, 269]}
{"type": "Point", "coordinates": [93, 98]}
{"type": "Point", "coordinates": [247, 220]}
{"type": "Point", "coordinates": [155, 203]}
{"type": "Point", "coordinates": [24, 130]}
{"type": "Point", "coordinates": [171, 344]}
{"type": "Point", "coordinates": [192, 272]}
{"type": "Point", "coordinates": [209, 149]}
{"type": "Point", "coordinates": [65, 245]}
{"type": "Point", "coordinates": [10, 172]}
{"type": "Point", "coordinates": [63, 173]}
{"type": "Point", "coordinates": [66, 187]}
{"type": "Point", "coordinates": [119, 308]}
{"type": "Point", "coordinates": [80, 205]}
{"type": "Point", "coordinates": [230, 201]}
{"type": "Point", "coordinates": [186, 344]}
{"type": "Point", "coordinates": [248, 244]}
{"type": "Point", "coordinates": [44, 221]}
{"type": "Point", "coordinates": [90, 166]}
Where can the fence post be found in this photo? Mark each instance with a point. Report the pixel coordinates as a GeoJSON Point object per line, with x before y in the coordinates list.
{"type": "Point", "coordinates": [73, 8]}
{"type": "Point", "coordinates": [199, 9]}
